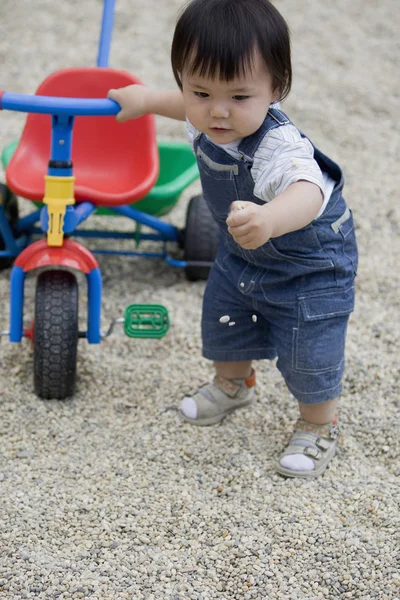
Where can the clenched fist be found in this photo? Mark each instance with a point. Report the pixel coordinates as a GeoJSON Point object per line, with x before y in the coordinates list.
{"type": "Point", "coordinates": [248, 224]}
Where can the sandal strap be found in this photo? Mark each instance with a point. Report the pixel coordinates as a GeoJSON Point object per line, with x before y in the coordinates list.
{"type": "Point", "coordinates": [330, 430]}
{"type": "Point", "coordinates": [310, 451]}
{"type": "Point", "coordinates": [231, 387]}
{"type": "Point", "coordinates": [314, 439]}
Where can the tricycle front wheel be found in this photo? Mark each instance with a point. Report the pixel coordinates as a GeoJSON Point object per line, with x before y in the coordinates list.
{"type": "Point", "coordinates": [55, 334]}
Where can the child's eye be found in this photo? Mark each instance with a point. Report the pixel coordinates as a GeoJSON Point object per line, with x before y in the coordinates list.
{"type": "Point", "coordinates": [241, 98]}
{"type": "Point", "coordinates": [201, 94]}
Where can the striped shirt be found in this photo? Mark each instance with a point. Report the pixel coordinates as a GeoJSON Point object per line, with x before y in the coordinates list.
{"type": "Point", "coordinates": [282, 158]}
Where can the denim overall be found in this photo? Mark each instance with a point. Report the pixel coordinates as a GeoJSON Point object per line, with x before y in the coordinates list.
{"type": "Point", "coordinates": [290, 298]}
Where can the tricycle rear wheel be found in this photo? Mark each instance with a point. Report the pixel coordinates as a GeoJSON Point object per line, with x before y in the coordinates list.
{"type": "Point", "coordinates": [55, 334]}
{"type": "Point", "coordinates": [10, 205]}
{"type": "Point", "coordinates": [201, 237]}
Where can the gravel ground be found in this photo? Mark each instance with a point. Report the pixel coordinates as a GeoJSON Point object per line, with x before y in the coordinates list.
{"type": "Point", "coordinates": [110, 496]}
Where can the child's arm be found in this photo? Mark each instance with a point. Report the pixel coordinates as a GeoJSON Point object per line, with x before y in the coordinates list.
{"type": "Point", "coordinates": [252, 225]}
{"type": "Point", "coordinates": [138, 100]}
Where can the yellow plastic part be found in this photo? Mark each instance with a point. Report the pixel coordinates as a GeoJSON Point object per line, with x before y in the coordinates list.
{"type": "Point", "coordinates": [58, 194]}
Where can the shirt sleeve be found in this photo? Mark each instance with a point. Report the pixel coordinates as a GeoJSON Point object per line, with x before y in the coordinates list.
{"type": "Point", "coordinates": [282, 158]}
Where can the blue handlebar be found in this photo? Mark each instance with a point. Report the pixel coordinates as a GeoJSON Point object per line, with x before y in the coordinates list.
{"type": "Point", "coordinates": [51, 105]}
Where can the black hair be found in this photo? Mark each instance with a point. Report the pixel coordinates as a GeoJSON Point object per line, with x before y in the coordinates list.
{"type": "Point", "coordinates": [219, 38]}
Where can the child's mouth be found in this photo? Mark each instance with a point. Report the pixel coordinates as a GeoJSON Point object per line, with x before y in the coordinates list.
{"type": "Point", "coordinates": [219, 129]}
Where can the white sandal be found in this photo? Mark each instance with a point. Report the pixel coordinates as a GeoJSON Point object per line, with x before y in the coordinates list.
{"type": "Point", "coordinates": [214, 401]}
{"type": "Point", "coordinates": [316, 442]}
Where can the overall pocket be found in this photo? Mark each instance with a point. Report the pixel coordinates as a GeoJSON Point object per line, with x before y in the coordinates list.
{"type": "Point", "coordinates": [248, 279]}
{"type": "Point", "coordinates": [301, 248]}
{"type": "Point", "coordinates": [214, 169]}
{"type": "Point", "coordinates": [344, 226]}
{"type": "Point", "coordinates": [221, 260]}
{"type": "Point", "coordinates": [319, 338]}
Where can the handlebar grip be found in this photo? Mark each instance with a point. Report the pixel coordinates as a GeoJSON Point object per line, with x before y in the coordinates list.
{"type": "Point", "coordinates": [54, 105]}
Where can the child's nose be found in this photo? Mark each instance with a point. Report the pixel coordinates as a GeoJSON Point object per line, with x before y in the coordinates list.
{"type": "Point", "coordinates": [219, 110]}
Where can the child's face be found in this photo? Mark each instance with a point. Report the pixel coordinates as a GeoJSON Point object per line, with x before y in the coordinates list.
{"type": "Point", "coordinates": [229, 110]}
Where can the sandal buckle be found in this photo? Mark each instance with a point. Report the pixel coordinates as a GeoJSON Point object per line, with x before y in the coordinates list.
{"type": "Point", "coordinates": [312, 452]}
{"type": "Point", "coordinates": [334, 432]}
{"type": "Point", "coordinates": [323, 443]}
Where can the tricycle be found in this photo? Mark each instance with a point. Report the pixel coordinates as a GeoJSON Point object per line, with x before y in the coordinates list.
{"type": "Point", "coordinates": [74, 160]}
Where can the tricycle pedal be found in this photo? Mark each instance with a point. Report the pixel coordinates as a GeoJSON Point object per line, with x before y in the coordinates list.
{"type": "Point", "coordinates": [146, 320]}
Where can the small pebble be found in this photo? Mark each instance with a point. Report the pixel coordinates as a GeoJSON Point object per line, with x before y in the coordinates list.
{"type": "Point", "coordinates": [232, 323]}
{"type": "Point", "coordinates": [224, 319]}
{"type": "Point", "coordinates": [254, 317]}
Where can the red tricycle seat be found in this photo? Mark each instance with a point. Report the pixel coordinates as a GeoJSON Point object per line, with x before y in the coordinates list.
{"type": "Point", "coordinates": [114, 163]}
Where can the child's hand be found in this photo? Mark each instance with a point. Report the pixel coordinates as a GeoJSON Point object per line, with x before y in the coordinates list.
{"type": "Point", "coordinates": [248, 225]}
{"type": "Point", "coordinates": [132, 99]}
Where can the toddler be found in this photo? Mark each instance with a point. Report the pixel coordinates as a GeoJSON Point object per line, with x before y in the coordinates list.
{"type": "Point", "coordinates": [282, 284]}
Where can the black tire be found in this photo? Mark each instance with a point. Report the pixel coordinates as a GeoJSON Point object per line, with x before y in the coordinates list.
{"type": "Point", "coordinates": [201, 237]}
{"type": "Point", "coordinates": [10, 205]}
{"type": "Point", "coordinates": [55, 334]}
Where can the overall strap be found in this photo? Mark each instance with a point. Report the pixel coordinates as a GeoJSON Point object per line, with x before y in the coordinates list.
{"type": "Point", "coordinates": [274, 118]}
